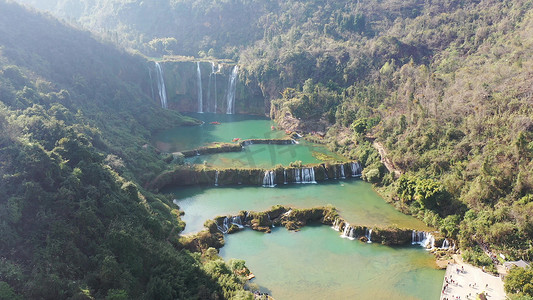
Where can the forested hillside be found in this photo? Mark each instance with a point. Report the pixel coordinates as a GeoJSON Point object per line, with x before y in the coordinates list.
{"type": "Point", "coordinates": [444, 88]}
{"type": "Point", "coordinates": [75, 222]}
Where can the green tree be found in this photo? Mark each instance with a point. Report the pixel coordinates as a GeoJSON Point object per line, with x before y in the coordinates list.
{"type": "Point", "coordinates": [519, 281]}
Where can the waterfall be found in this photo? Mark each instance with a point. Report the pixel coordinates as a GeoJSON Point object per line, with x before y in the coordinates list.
{"type": "Point", "coordinates": [161, 85]}
{"type": "Point", "coordinates": [216, 177]}
{"type": "Point", "coordinates": [348, 232]}
{"type": "Point", "coordinates": [368, 234]}
{"type": "Point", "coordinates": [232, 85]}
{"type": "Point", "coordinates": [284, 176]}
{"type": "Point", "coordinates": [236, 220]}
{"type": "Point", "coordinates": [343, 176]}
{"type": "Point", "coordinates": [356, 169]}
{"type": "Point", "coordinates": [228, 221]}
{"type": "Point", "coordinates": [430, 241]}
{"type": "Point", "coordinates": [297, 177]}
{"type": "Point", "coordinates": [269, 179]}
{"type": "Point", "coordinates": [422, 238]}
{"type": "Point", "coordinates": [336, 224]}
{"type": "Point", "coordinates": [219, 69]}
{"type": "Point", "coordinates": [212, 81]}
{"type": "Point", "coordinates": [445, 244]}
{"type": "Point", "coordinates": [199, 83]}
{"type": "Point", "coordinates": [304, 175]}
{"type": "Point", "coordinates": [308, 175]}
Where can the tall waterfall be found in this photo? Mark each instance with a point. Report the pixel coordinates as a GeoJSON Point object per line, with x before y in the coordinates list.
{"type": "Point", "coordinates": [216, 177]}
{"type": "Point", "coordinates": [343, 176]}
{"type": "Point", "coordinates": [212, 98]}
{"type": "Point", "coordinates": [161, 85]}
{"type": "Point", "coordinates": [232, 85]}
{"type": "Point", "coordinates": [269, 180]}
{"type": "Point", "coordinates": [356, 169]}
{"type": "Point", "coordinates": [285, 176]}
{"type": "Point", "coordinates": [199, 83]}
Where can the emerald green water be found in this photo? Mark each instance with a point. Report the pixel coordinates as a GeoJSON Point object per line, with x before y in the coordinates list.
{"type": "Point", "coordinates": [242, 127]}
{"type": "Point", "coordinates": [355, 200]}
{"type": "Point", "coordinates": [230, 127]}
{"type": "Point", "coordinates": [315, 263]}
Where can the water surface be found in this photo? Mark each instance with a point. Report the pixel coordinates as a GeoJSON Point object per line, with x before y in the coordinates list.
{"type": "Point", "coordinates": [355, 200]}
{"type": "Point", "coordinates": [242, 127]}
{"type": "Point", "coordinates": [315, 263]}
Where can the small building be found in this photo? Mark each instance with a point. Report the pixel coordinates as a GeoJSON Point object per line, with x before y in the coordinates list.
{"type": "Point", "coordinates": [519, 263]}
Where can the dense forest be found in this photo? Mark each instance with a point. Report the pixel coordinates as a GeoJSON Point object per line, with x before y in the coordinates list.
{"type": "Point", "coordinates": [444, 88]}
{"type": "Point", "coordinates": [75, 221]}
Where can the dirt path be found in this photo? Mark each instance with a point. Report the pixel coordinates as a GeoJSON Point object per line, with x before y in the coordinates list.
{"type": "Point", "coordinates": [385, 160]}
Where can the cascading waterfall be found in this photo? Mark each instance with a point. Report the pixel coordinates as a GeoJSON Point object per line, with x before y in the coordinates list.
{"type": "Point", "coordinates": [269, 180]}
{"type": "Point", "coordinates": [216, 177]}
{"type": "Point", "coordinates": [349, 232]}
{"type": "Point", "coordinates": [212, 81]}
{"type": "Point", "coordinates": [308, 175]}
{"type": "Point", "coordinates": [337, 224]}
{"type": "Point", "coordinates": [232, 85]}
{"type": "Point", "coordinates": [445, 244]}
{"type": "Point", "coordinates": [237, 221]}
{"type": "Point", "coordinates": [226, 224]}
{"type": "Point", "coordinates": [161, 85]}
{"type": "Point", "coordinates": [218, 71]}
{"type": "Point", "coordinates": [368, 234]}
{"type": "Point", "coordinates": [343, 176]}
{"type": "Point", "coordinates": [304, 175]}
{"type": "Point", "coordinates": [199, 83]}
{"type": "Point", "coordinates": [297, 176]}
{"type": "Point", "coordinates": [346, 231]}
{"type": "Point", "coordinates": [356, 169]}
{"type": "Point", "coordinates": [422, 238]}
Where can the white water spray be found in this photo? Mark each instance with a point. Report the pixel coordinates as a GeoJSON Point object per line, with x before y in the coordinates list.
{"type": "Point", "coordinates": [161, 85]}
{"type": "Point", "coordinates": [232, 85]}
{"type": "Point", "coordinates": [199, 83]}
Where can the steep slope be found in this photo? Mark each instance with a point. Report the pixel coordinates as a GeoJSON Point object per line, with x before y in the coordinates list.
{"type": "Point", "coordinates": [75, 222]}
